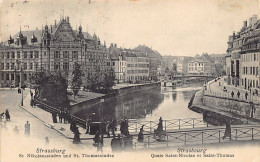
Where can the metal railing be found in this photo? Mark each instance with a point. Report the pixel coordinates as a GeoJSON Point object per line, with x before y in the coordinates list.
{"type": "Point", "coordinates": [201, 136]}
{"type": "Point", "coordinates": [149, 126]}
{"type": "Point", "coordinates": [227, 95]}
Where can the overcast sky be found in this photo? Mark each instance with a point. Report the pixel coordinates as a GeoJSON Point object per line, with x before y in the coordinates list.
{"type": "Point", "coordinates": [172, 27]}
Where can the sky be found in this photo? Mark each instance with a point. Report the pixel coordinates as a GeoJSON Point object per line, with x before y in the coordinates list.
{"type": "Point", "coordinates": [172, 27]}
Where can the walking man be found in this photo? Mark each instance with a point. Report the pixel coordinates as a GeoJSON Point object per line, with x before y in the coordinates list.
{"type": "Point", "coordinates": [238, 94]}
{"type": "Point", "coordinates": [27, 129]}
{"type": "Point", "coordinates": [227, 131]}
{"type": "Point", "coordinates": [232, 94]}
{"type": "Point", "coordinates": [246, 95]}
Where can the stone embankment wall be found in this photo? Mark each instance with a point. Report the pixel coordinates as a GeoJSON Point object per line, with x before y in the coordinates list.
{"type": "Point", "coordinates": [117, 93]}
{"type": "Point", "coordinates": [232, 105]}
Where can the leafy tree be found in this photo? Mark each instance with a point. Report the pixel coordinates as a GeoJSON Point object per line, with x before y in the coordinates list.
{"type": "Point", "coordinates": [174, 69]}
{"type": "Point", "coordinates": [76, 81]}
{"type": "Point", "coordinates": [108, 79]}
{"type": "Point", "coordinates": [51, 88]}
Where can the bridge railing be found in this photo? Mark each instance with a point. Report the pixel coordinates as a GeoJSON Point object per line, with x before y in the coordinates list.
{"type": "Point", "coordinates": [149, 126]}
{"type": "Point", "coordinates": [196, 137]}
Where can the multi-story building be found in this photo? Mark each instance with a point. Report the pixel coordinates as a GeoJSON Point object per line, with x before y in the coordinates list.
{"type": "Point", "coordinates": [137, 68]}
{"type": "Point", "coordinates": [200, 67]}
{"type": "Point", "coordinates": [54, 48]}
{"type": "Point", "coordinates": [242, 59]}
{"type": "Point", "coordinates": [180, 61]}
{"type": "Point", "coordinates": [118, 63]}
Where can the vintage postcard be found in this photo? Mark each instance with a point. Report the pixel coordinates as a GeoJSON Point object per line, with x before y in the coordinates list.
{"type": "Point", "coordinates": [129, 80]}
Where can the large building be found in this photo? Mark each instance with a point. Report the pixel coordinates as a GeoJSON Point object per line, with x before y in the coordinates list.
{"type": "Point", "coordinates": [54, 48]}
{"type": "Point", "coordinates": [243, 56]}
{"type": "Point", "coordinates": [200, 67]}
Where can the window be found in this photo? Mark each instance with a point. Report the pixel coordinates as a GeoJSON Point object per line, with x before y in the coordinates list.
{"type": "Point", "coordinates": [18, 54]}
{"type": "Point", "coordinates": [75, 54]}
{"type": "Point", "coordinates": [31, 66]}
{"type": "Point", "coordinates": [57, 54]}
{"type": "Point", "coordinates": [36, 54]}
{"type": "Point", "coordinates": [113, 63]}
{"type": "Point", "coordinates": [2, 76]}
{"type": "Point", "coordinates": [254, 57]}
{"type": "Point", "coordinates": [65, 54]}
{"type": "Point", "coordinates": [66, 66]}
{"type": "Point", "coordinates": [12, 76]}
{"type": "Point", "coordinates": [2, 66]}
{"type": "Point", "coordinates": [25, 66]}
{"type": "Point", "coordinates": [7, 76]}
{"type": "Point", "coordinates": [256, 71]}
{"type": "Point", "coordinates": [25, 55]}
{"type": "Point", "coordinates": [36, 65]}
{"type": "Point", "coordinates": [2, 56]}
{"type": "Point", "coordinates": [31, 54]}
{"type": "Point", "coordinates": [12, 66]}
{"type": "Point", "coordinates": [7, 55]}
{"type": "Point", "coordinates": [24, 76]}
{"type": "Point", "coordinates": [13, 55]}
{"type": "Point", "coordinates": [56, 66]}
{"type": "Point", "coordinates": [7, 66]}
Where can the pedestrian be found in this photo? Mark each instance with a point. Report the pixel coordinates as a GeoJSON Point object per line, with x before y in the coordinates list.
{"type": "Point", "coordinates": [96, 138]}
{"type": "Point", "coordinates": [16, 130]}
{"type": "Point", "coordinates": [76, 139]}
{"type": "Point", "coordinates": [114, 144]}
{"type": "Point", "coordinates": [160, 125]}
{"type": "Point", "coordinates": [119, 143]}
{"type": "Point", "coordinates": [60, 116]}
{"type": "Point", "coordinates": [238, 94]}
{"type": "Point", "coordinates": [7, 115]}
{"type": "Point", "coordinates": [100, 144]}
{"type": "Point", "coordinates": [73, 126]}
{"type": "Point", "coordinates": [232, 94]}
{"type": "Point", "coordinates": [27, 129]}
{"type": "Point", "coordinates": [47, 140]}
{"type": "Point", "coordinates": [122, 125]}
{"type": "Point", "coordinates": [89, 121]}
{"type": "Point", "coordinates": [141, 135]}
{"type": "Point", "coordinates": [253, 109]}
{"type": "Point", "coordinates": [1, 116]}
{"type": "Point", "coordinates": [246, 95]}
{"type": "Point", "coordinates": [54, 117]}
{"type": "Point", "coordinates": [227, 131]}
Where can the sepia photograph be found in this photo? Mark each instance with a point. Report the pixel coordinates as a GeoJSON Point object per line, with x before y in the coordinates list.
{"type": "Point", "coordinates": [129, 80]}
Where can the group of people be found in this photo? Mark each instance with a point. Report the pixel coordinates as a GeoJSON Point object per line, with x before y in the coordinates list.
{"type": "Point", "coordinates": [121, 143]}
{"type": "Point", "coordinates": [64, 116]}
{"type": "Point", "coordinates": [5, 115]}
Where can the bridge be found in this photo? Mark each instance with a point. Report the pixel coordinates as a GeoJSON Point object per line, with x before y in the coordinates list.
{"type": "Point", "coordinates": [179, 132]}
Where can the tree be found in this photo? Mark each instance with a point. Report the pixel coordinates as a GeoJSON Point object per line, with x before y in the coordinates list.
{"type": "Point", "coordinates": [108, 79]}
{"type": "Point", "coordinates": [76, 79]}
{"type": "Point", "coordinates": [174, 69]}
{"type": "Point", "coordinates": [51, 88]}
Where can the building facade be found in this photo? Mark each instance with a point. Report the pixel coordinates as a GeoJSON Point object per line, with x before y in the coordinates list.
{"type": "Point", "coordinates": [54, 48]}
{"type": "Point", "coordinates": [242, 59]}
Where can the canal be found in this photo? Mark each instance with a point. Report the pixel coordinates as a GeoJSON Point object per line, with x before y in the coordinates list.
{"type": "Point", "coordinates": [166, 102]}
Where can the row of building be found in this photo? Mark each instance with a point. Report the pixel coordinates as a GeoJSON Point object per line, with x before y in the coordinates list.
{"type": "Point", "coordinates": [57, 47]}
{"type": "Point", "coordinates": [198, 65]}
{"type": "Point", "coordinates": [243, 56]}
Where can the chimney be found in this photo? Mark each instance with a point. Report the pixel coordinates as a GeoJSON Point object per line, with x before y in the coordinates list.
{"type": "Point", "coordinates": [234, 34]}
{"type": "Point", "coordinates": [68, 19]}
{"type": "Point", "coordinates": [51, 28]}
{"type": "Point", "coordinates": [55, 24]}
{"type": "Point", "coordinates": [245, 24]}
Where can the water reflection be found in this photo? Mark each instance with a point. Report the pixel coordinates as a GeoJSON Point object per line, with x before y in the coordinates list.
{"type": "Point", "coordinates": [168, 103]}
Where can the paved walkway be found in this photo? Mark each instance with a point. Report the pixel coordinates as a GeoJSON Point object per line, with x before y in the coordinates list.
{"type": "Point", "coordinates": [216, 88]}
